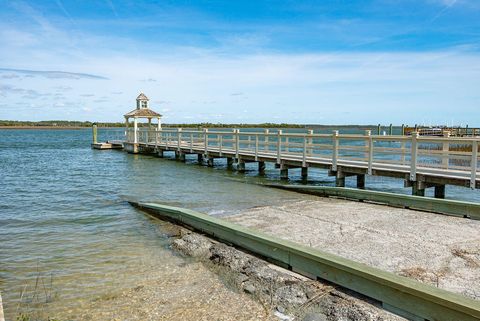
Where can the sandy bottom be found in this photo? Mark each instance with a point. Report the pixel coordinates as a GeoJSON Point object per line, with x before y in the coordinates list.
{"type": "Point", "coordinates": [439, 250]}
{"type": "Point", "coordinates": [186, 291]}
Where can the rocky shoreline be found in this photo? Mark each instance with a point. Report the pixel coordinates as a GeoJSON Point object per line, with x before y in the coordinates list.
{"type": "Point", "coordinates": [288, 295]}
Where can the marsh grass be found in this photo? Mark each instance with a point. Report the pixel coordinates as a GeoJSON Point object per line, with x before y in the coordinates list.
{"type": "Point", "coordinates": [34, 300]}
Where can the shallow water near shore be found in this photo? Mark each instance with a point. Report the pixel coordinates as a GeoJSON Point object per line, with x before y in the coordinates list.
{"type": "Point", "coordinates": [68, 234]}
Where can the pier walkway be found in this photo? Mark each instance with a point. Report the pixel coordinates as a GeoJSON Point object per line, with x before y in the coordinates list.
{"type": "Point", "coordinates": [421, 161]}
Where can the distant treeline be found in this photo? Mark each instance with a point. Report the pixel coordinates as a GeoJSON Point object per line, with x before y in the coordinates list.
{"type": "Point", "coordinates": [67, 123]}
{"type": "Point", "coordinates": [80, 124]}
{"type": "Point", "coordinates": [218, 125]}
{"type": "Point", "coordinates": [56, 123]}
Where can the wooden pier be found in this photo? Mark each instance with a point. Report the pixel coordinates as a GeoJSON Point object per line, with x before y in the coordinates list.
{"type": "Point", "coordinates": [423, 162]}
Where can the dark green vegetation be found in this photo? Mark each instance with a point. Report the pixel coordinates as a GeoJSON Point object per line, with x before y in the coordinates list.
{"type": "Point", "coordinates": [66, 123]}
{"type": "Point", "coordinates": [77, 124]}
{"type": "Point", "coordinates": [55, 123]}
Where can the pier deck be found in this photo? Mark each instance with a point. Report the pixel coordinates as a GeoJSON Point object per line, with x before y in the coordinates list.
{"type": "Point", "coordinates": [422, 162]}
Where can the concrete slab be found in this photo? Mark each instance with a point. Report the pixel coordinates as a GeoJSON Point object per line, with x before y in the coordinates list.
{"type": "Point", "coordinates": [439, 250]}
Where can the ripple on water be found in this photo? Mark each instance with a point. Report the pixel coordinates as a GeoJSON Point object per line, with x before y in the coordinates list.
{"type": "Point", "coordinates": [65, 222]}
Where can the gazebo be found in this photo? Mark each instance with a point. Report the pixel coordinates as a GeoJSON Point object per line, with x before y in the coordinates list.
{"type": "Point", "coordinates": [142, 111]}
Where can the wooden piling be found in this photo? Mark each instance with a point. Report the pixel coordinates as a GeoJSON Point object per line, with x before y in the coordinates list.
{"type": "Point", "coordinates": [241, 166]}
{"type": "Point", "coordinates": [94, 133]}
{"type": "Point", "coordinates": [304, 173]}
{"type": "Point", "coordinates": [440, 191]}
{"type": "Point", "coordinates": [361, 181]}
{"type": "Point", "coordinates": [210, 162]}
{"type": "Point", "coordinates": [261, 168]}
{"type": "Point", "coordinates": [340, 179]}
{"type": "Point", "coordinates": [283, 171]}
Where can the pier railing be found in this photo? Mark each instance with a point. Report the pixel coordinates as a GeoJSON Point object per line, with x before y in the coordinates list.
{"type": "Point", "coordinates": [459, 156]}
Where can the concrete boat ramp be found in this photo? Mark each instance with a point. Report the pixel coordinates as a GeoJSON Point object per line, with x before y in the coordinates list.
{"type": "Point", "coordinates": [422, 266]}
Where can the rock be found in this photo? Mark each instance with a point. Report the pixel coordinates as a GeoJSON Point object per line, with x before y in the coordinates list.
{"type": "Point", "coordinates": [281, 309]}
{"type": "Point", "coordinates": [315, 317]}
{"type": "Point", "coordinates": [249, 288]}
{"type": "Point", "coordinates": [290, 296]}
{"type": "Point", "coordinates": [240, 278]}
{"type": "Point", "coordinates": [194, 245]}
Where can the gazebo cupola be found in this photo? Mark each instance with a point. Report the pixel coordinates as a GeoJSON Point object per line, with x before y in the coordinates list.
{"type": "Point", "coordinates": [141, 112]}
{"type": "Point", "coordinates": [142, 101]}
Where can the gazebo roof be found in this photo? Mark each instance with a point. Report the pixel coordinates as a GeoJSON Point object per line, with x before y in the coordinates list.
{"type": "Point", "coordinates": [143, 112]}
{"type": "Point", "coordinates": [142, 97]}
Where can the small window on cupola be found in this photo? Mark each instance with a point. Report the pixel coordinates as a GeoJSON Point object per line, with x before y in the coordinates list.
{"type": "Point", "coordinates": [144, 104]}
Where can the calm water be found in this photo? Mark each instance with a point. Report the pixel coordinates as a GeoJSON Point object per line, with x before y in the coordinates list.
{"type": "Point", "coordinates": [65, 222]}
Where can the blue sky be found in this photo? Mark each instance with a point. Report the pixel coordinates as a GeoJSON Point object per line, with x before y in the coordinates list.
{"type": "Point", "coordinates": [325, 62]}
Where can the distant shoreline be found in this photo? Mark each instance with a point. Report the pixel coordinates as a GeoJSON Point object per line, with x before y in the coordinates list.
{"type": "Point", "coordinates": [42, 127]}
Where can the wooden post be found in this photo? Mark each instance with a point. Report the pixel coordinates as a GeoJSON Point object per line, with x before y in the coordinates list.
{"type": "Point", "coordinates": [334, 150]}
{"type": "Point", "coordinates": [279, 146]}
{"type": "Point", "coordinates": [179, 139]}
{"type": "Point", "coordinates": [369, 144]}
{"type": "Point", "coordinates": [256, 147]}
{"type": "Point", "coordinates": [390, 131]}
{"type": "Point", "coordinates": [210, 161]}
{"type": "Point", "coordinates": [283, 171]}
{"type": "Point", "coordinates": [220, 144]}
{"type": "Point", "coordinates": [379, 128]}
{"type": "Point", "coordinates": [266, 146]}
{"type": "Point", "coordinates": [229, 162]}
{"type": "Point", "coordinates": [200, 159]}
{"type": "Point", "coordinates": [135, 130]}
{"type": "Point", "coordinates": [310, 142]}
{"type": "Point", "coordinates": [236, 133]}
{"type": "Point", "coordinates": [445, 150]}
{"type": "Point", "coordinates": [439, 191]}
{"type": "Point", "coordinates": [304, 158]}
{"type": "Point", "coordinates": [304, 172]}
{"type": "Point", "coordinates": [94, 133]}
{"type": "Point", "coordinates": [403, 129]}
{"type": "Point", "coordinates": [413, 157]}
{"type": "Point", "coordinates": [340, 179]}
{"type": "Point", "coordinates": [418, 188]}
{"type": "Point", "coordinates": [261, 168]}
{"type": "Point", "coordinates": [361, 181]}
{"type": "Point", "coordinates": [191, 142]}
{"type": "Point", "coordinates": [241, 166]}
{"type": "Point", "coordinates": [474, 164]}
{"type": "Point", "coordinates": [205, 139]}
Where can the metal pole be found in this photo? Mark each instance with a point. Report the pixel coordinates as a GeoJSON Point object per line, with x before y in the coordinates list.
{"type": "Point", "coordinates": [379, 128]}
{"type": "Point", "coordinates": [391, 130]}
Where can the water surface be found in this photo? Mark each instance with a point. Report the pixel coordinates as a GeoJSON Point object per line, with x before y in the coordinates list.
{"type": "Point", "coordinates": [67, 231]}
